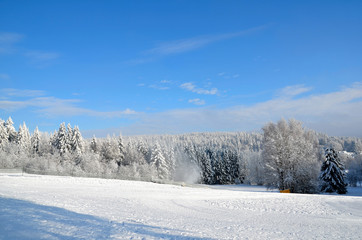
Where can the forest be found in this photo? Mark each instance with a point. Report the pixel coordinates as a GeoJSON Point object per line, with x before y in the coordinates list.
{"type": "Point", "coordinates": [282, 155]}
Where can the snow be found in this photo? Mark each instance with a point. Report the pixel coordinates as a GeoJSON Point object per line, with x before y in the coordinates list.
{"type": "Point", "coordinates": [55, 207]}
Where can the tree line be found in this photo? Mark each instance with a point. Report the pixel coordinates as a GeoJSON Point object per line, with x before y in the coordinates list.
{"type": "Point", "coordinates": [284, 155]}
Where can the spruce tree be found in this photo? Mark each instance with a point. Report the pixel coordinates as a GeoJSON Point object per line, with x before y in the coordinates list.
{"type": "Point", "coordinates": [121, 147]}
{"type": "Point", "coordinates": [159, 163]}
{"type": "Point", "coordinates": [76, 141]}
{"type": "Point", "coordinates": [60, 139]}
{"type": "Point", "coordinates": [11, 132]}
{"type": "Point", "coordinates": [4, 137]}
{"type": "Point", "coordinates": [23, 138]}
{"type": "Point", "coordinates": [332, 173]}
{"type": "Point", "coordinates": [94, 145]}
{"type": "Point", "coordinates": [35, 141]}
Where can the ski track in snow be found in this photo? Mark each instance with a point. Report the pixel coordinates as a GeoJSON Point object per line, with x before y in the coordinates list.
{"type": "Point", "coordinates": [55, 207]}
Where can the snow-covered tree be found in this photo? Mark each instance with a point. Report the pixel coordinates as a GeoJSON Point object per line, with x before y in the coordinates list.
{"type": "Point", "coordinates": [69, 138]}
{"type": "Point", "coordinates": [290, 157]}
{"type": "Point", "coordinates": [109, 149]}
{"type": "Point", "coordinates": [23, 138]}
{"type": "Point", "coordinates": [158, 161]}
{"type": "Point", "coordinates": [76, 141]}
{"type": "Point", "coordinates": [4, 137]}
{"type": "Point", "coordinates": [205, 166]}
{"type": "Point", "coordinates": [94, 145]}
{"type": "Point", "coordinates": [132, 155]}
{"type": "Point", "coordinates": [332, 174]}
{"type": "Point", "coordinates": [121, 150]}
{"type": "Point", "coordinates": [35, 141]}
{"type": "Point", "coordinates": [60, 140]}
{"type": "Point", "coordinates": [11, 132]}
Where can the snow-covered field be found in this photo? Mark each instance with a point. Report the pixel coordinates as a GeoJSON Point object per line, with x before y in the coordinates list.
{"type": "Point", "coordinates": [52, 207]}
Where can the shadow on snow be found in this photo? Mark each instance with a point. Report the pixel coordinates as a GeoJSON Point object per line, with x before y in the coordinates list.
{"type": "Point", "coordinates": [21, 219]}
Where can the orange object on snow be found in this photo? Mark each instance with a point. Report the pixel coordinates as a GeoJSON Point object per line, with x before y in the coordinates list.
{"type": "Point", "coordinates": [285, 191]}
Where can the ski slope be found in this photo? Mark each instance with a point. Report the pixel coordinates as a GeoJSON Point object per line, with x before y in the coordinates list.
{"type": "Point", "coordinates": [54, 207]}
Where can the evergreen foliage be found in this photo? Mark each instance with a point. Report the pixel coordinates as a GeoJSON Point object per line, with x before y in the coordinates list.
{"type": "Point", "coordinates": [35, 141]}
{"type": "Point", "coordinates": [332, 173]}
{"type": "Point", "coordinates": [159, 163]}
{"type": "Point", "coordinates": [61, 141]}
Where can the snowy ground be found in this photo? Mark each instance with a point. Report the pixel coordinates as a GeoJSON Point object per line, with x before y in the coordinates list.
{"type": "Point", "coordinates": [50, 207]}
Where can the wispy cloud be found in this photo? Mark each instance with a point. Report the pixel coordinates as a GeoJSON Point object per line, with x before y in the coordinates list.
{"type": "Point", "coordinates": [52, 106]}
{"type": "Point", "coordinates": [41, 55]}
{"type": "Point", "coordinates": [7, 40]}
{"type": "Point", "coordinates": [197, 101]}
{"type": "Point", "coordinates": [335, 113]}
{"type": "Point", "coordinates": [11, 92]}
{"type": "Point", "coordinates": [192, 88]}
{"type": "Point", "coordinates": [185, 45]}
{"type": "Point", "coordinates": [228, 76]}
{"type": "Point", "coordinates": [188, 44]}
{"type": "Point", "coordinates": [158, 87]}
{"type": "Point", "coordinates": [292, 91]}
{"type": "Point", "coordinates": [4, 76]}
{"type": "Point", "coordinates": [161, 85]}
{"type": "Point", "coordinates": [39, 58]}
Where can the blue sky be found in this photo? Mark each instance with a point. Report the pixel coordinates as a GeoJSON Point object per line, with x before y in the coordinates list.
{"type": "Point", "coordinates": [154, 67]}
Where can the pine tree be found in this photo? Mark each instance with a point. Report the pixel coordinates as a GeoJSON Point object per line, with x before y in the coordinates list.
{"type": "Point", "coordinates": [4, 137]}
{"type": "Point", "coordinates": [23, 138]}
{"type": "Point", "coordinates": [94, 145]}
{"type": "Point", "coordinates": [60, 139]}
{"type": "Point", "coordinates": [158, 161]}
{"type": "Point", "coordinates": [11, 132]}
{"type": "Point", "coordinates": [332, 173]}
{"type": "Point", "coordinates": [35, 141]}
{"type": "Point", "coordinates": [121, 147]}
{"type": "Point", "coordinates": [76, 141]}
{"type": "Point", "coordinates": [205, 165]}
{"type": "Point", "coordinates": [69, 138]}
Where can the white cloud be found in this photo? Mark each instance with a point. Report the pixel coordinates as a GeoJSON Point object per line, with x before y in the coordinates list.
{"type": "Point", "coordinates": [335, 113]}
{"type": "Point", "coordinates": [185, 45]}
{"type": "Point", "coordinates": [54, 107]}
{"type": "Point", "coordinates": [188, 44]}
{"type": "Point", "coordinates": [228, 76]}
{"type": "Point", "coordinates": [192, 88]}
{"type": "Point", "coordinates": [159, 87]}
{"type": "Point", "coordinates": [292, 91]}
{"type": "Point", "coordinates": [11, 92]}
{"type": "Point", "coordinates": [197, 101]}
{"type": "Point", "coordinates": [166, 81]}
